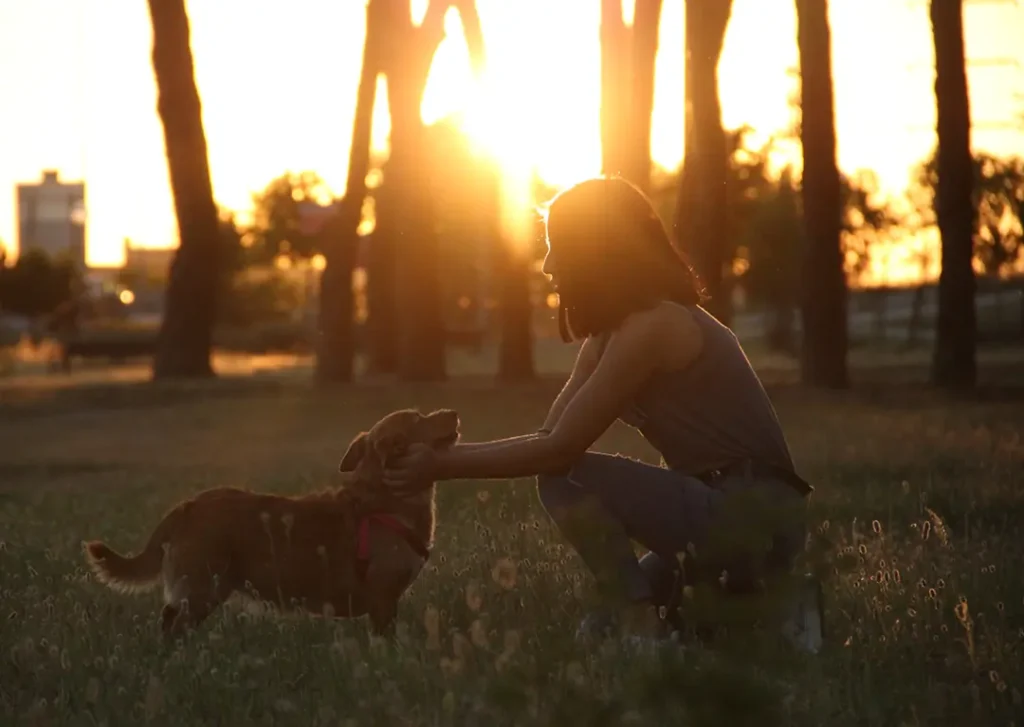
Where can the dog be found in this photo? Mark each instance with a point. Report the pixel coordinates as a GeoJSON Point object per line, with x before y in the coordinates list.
{"type": "Point", "coordinates": [343, 553]}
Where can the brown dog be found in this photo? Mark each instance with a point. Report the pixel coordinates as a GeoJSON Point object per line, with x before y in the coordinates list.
{"type": "Point", "coordinates": [343, 553]}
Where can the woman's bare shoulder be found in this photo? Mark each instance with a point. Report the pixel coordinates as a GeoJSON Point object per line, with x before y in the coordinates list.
{"type": "Point", "coordinates": [681, 335]}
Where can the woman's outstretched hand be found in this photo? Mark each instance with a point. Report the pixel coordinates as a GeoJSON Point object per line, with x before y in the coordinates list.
{"type": "Point", "coordinates": [415, 469]}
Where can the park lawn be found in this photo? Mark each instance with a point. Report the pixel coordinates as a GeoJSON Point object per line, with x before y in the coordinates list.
{"type": "Point", "coordinates": [918, 515]}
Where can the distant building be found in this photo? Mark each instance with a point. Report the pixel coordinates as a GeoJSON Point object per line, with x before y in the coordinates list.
{"type": "Point", "coordinates": [51, 218]}
{"type": "Point", "coordinates": [152, 264]}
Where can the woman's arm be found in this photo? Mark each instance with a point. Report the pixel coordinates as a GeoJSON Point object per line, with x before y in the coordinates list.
{"type": "Point", "coordinates": [586, 361]}
{"type": "Point", "coordinates": [632, 354]}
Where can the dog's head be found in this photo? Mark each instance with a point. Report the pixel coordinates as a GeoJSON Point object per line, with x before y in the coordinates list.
{"type": "Point", "coordinates": [364, 461]}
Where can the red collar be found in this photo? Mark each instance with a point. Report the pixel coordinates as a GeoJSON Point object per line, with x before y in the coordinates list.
{"type": "Point", "coordinates": [393, 524]}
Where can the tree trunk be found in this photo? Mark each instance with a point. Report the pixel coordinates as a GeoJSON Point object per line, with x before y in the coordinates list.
{"type": "Point", "coordinates": [644, 46]}
{"type": "Point", "coordinates": [916, 313]}
{"type": "Point", "coordinates": [615, 90]}
{"type": "Point", "coordinates": [185, 339]}
{"type": "Point", "coordinates": [701, 206]}
{"type": "Point", "coordinates": [953, 363]}
{"type": "Point", "coordinates": [1020, 294]}
{"type": "Point", "coordinates": [823, 284]}
{"type": "Point", "coordinates": [511, 264]}
{"type": "Point", "coordinates": [381, 283]}
{"type": "Point", "coordinates": [336, 351]}
{"type": "Point", "coordinates": [421, 342]}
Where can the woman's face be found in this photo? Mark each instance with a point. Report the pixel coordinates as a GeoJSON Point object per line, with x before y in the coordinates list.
{"type": "Point", "coordinates": [549, 266]}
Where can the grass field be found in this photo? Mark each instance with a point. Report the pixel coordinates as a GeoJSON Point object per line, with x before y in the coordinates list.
{"type": "Point", "coordinates": [918, 508]}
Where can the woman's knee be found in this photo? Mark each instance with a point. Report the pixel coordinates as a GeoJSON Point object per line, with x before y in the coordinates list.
{"type": "Point", "coordinates": [590, 475]}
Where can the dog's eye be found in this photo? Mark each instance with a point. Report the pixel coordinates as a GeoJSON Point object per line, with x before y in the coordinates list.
{"type": "Point", "coordinates": [389, 446]}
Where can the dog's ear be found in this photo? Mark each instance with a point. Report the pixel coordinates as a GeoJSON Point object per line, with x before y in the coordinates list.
{"type": "Point", "coordinates": [355, 453]}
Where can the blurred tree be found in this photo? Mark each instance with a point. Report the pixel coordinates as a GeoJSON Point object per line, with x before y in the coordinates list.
{"type": "Point", "coordinates": [235, 254]}
{"type": "Point", "coordinates": [701, 216]}
{"type": "Point", "coordinates": [339, 237]}
{"type": "Point", "coordinates": [627, 89]}
{"type": "Point", "coordinates": [259, 296]}
{"type": "Point", "coordinates": [185, 338]}
{"type": "Point", "coordinates": [954, 365]}
{"type": "Point", "coordinates": [36, 285]}
{"type": "Point", "coordinates": [275, 228]}
{"type": "Point", "coordinates": [412, 224]}
{"type": "Point", "coordinates": [823, 288]}
{"type": "Point", "coordinates": [646, 24]}
{"type": "Point", "coordinates": [998, 200]}
{"type": "Point", "coordinates": [616, 82]}
{"type": "Point", "coordinates": [512, 270]}
{"type": "Point", "coordinates": [407, 60]}
{"type": "Point", "coordinates": [773, 239]}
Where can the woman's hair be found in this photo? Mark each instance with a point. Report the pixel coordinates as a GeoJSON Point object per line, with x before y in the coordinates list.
{"type": "Point", "coordinates": [612, 256]}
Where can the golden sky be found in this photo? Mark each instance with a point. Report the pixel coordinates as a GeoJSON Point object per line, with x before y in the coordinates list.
{"type": "Point", "coordinates": [278, 83]}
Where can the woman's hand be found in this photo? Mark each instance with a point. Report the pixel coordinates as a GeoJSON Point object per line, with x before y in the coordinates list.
{"type": "Point", "coordinates": [415, 469]}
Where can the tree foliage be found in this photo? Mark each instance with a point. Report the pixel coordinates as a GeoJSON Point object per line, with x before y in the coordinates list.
{"type": "Point", "coordinates": [275, 228]}
{"type": "Point", "coordinates": [998, 199]}
{"type": "Point", "coordinates": [36, 284]}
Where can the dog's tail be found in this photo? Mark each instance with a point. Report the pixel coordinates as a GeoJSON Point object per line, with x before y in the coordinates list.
{"type": "Point", "coordinates": [139, 572]}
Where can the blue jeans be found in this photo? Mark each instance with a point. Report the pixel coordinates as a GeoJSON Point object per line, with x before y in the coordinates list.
{"type": "Point", "coordinates": [605, 501]}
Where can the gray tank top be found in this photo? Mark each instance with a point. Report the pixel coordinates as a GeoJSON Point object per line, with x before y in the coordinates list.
{"type": "Point", "coordinates": [713, 413]}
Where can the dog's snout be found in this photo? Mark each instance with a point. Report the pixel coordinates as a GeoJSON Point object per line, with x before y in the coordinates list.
{"type": "Point", "coordinates": [448, 418]}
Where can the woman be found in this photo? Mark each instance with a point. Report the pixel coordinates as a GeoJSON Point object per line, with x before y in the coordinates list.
{"type": "Point", "coordinates": [652, 357]}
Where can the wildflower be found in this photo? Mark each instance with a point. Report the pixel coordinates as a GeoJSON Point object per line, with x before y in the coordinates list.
{"type": "Point", "coordinates": [450, 667]}
{"type": "Point", "coordinates": [576, 674]}
{"type": "Point", "coordinates": [511, 641]}
{"type": "Point", "coordinates": [461, 647]}
{"type": "Point", "coordinates": [504, 573]}
{"type": "Point", "coordinates": [92, 690]}
{"type": "Point", "coordinates": [477, 634]}
{"type": "Point", "coordinates": [432, 623]}
{"type": "Point", "coordinates": [448, 703]}
{"type": "Point", "coordinates": [285, 706]}
{"type": "Point", "coordinates": [483, 496]}
{"type": "Point", "coordinates": [154, 697]}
